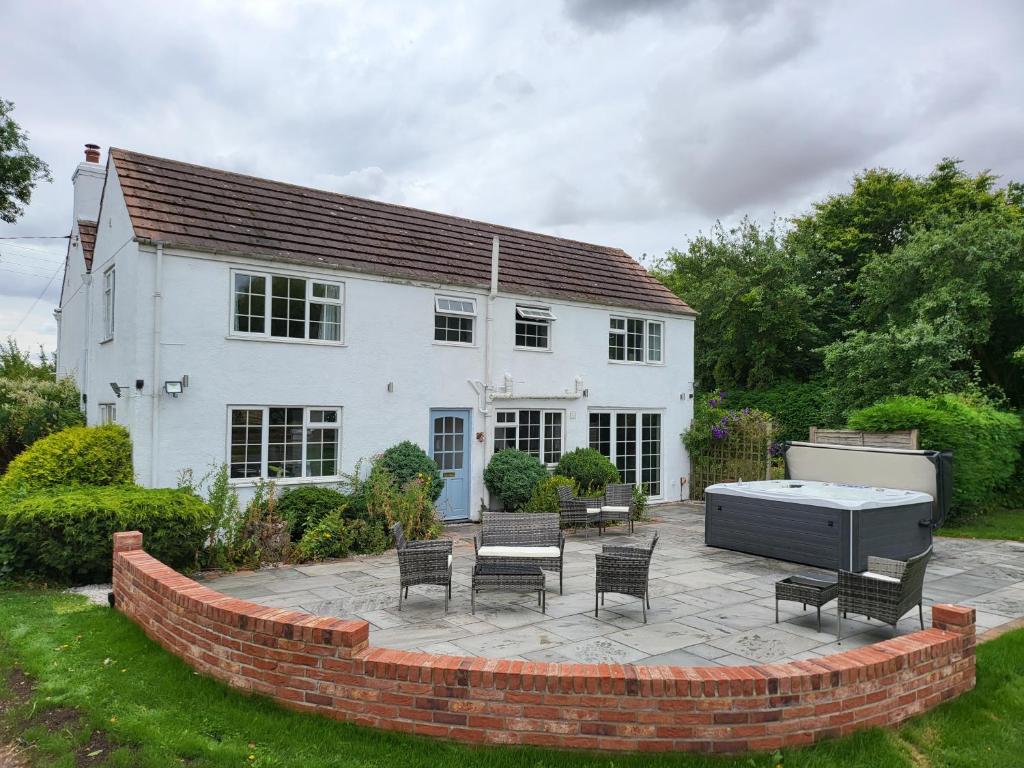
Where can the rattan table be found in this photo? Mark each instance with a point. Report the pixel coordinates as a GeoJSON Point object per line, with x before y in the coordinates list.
{"type": "Point", "coordinates": [499, 577]}
{"type": "Point", "coordinates": [808, 588]}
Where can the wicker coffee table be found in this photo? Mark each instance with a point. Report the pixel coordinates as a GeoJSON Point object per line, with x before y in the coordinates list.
{"type": "Point", "coordinates": [808, 588]}
{"type": "Point", "coordinates": [499, 577]}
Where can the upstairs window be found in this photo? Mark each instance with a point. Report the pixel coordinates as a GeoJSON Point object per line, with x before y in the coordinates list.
{"type": "Point", "coordinates": [296, 308]}
{"type": "Point", "coordinates": [454, 320]}
{"type": "Point", "coordinates": [633, 340]}
{"type": "Point", "coordinates": [108, 304]}
{"type": "Point", "coordinates": [533, 327]}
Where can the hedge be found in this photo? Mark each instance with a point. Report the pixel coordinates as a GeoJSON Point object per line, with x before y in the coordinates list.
{"type": "Point", "coordinates": [76, 456]}
{"type": "Point", "coordinates": [66, 535]}
{"type": "Point", "coordinates": [512, 475]}
{"type": "Point", "coordinates": [405, 461]}
{"type": "Point", "coordinates": [545, 494]}
{"type": "Point", "coordinates": [307, 505]}
{"type": "Point", "coordinates": [794, 406]}
{"type": "Point", "coordinates": [591, 470]}
{"type": "Point", "coordinates": [986, 442]}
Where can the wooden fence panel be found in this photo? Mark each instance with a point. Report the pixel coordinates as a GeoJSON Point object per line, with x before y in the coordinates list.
{"type": "Point", "coordinates": [905, 438]}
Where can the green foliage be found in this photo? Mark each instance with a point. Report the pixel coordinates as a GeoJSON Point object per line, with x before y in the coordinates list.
{"type": "Point", "coordinates": [758, 305]}
{"type": "Point", "coordinates": [20, 170]}
{"type": "Point", "coordinates": [986, 442]}
{"type": "Point", "coordinates": [74, 456]}
{"type": "Point", "coordinates": [727, 444]}
{"type": "Point", "coordinates": [407, 460]}
{"type": "Point", "coordinates": [261, 535]}
{"type": "Point", "coordinates": [304, 506]}
{"type": "Point", "coordinates": [66, 534]}
{"type": "Point", "coordinates": [511, 475]}
{"type": "Point", "coordinates": [591, 470]}
{"type": "Point", "coordinates": [545, 494]}
{"type": "Point", "coordinates": [33, 403]}
{"type": "Point", "coordinates": [411, 504]}
{"type": "Point", "coordinates": [223, 532]}
{"type": "Point", "coordinates": [640, 499]}
{"type": "Point", "coordinates": [331, 536]}
{"type": "Point", "coordinates": [794, 406]}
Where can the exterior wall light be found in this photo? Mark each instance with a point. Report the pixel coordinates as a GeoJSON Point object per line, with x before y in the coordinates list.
{"type": "Point", "coordinates": [173, 388]}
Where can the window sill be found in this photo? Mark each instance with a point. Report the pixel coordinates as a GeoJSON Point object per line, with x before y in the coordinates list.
{"type": "Point", "coordinates": [636, 362]}
{"type": "Point", "coordinates": [251, 482]}
{"type": "Point", "coordinates": [533, 349]}
{"type": "Point", "coordinates": [106, 340]}
{"type": "Point", "coordinates": [454, 344]}
{"type": "Point", "coordinates": [275, 340]}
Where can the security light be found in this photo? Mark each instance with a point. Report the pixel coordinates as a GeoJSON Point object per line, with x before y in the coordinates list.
{"type": "Point", "coordinates": [116, 387]}
{"type": "Point", "coordinates": [173, 388]}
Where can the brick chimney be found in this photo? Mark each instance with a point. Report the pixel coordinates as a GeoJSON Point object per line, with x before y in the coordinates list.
{"type": "Point", "coordinates": [88, 181]}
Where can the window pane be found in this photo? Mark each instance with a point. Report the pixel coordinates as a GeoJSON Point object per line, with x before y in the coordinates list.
{"type": "Point", "coordinates": [634, 340]}
{"type": "Point", "coordinates": [552, 437]}
{"type": "Point", "coordinates": [529, 432]}
{"type": "Point", "coordinates": [601, 433]}
{"type": "Point", "coordinates": [325, 321]}
{"type": "Point", "coordinates": [654, 342]}
{"type": "Point", "coordinates": [532, 334]}
{"type": "Point", "coordinates": [625, 446]}
{"type": "Point", "coordinates": [321, 452]}
{"type": "Point", "coordinates": [284, 442]}
{"type": "Point", "coordinates": [250, 303]}
{"type": "Point", "coordinates": [246, 442]}
{"type": "Point", "coordinates": [453, 328]}
{"type": "Point", "coordinates": [326, 291]}
{"type": "Point", "coordinates": [288, 307]}
{"type": "Point", "coordinates": [650, 453]}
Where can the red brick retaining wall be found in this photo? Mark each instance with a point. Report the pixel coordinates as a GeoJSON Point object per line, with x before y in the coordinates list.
{"type": "Point", "coordinates": [325, 665]}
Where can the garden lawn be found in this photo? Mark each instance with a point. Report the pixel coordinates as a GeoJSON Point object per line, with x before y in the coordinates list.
{"type": "Point", "coordinates": [104, 695]}
{"type": "Point", "coordinates": [999, 523]}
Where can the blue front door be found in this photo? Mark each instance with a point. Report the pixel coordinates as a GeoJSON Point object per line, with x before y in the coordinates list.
{"type": "Point", "coordinates": [449, 447]}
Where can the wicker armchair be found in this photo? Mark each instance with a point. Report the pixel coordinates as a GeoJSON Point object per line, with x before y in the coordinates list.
{"type": "Point", "coordinates": [887, 591]}
{"type": "Point", "coordinates": [578, 511]}
{"type": "Point", "coordinates": [522, 538]}
{"type": "Point", "coordinates": [423, 562]}
{"type": "Point", "coordinates": [618, 505]}
{"type": "Point", "coordinates": [625, 570]}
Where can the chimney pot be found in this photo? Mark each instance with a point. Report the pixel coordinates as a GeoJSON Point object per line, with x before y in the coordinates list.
{"type": "Point", "coordinates": [92, 153]}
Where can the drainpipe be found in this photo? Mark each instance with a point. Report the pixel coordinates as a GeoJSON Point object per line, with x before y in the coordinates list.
{"type": "Point", "coordinates": [85, 385]}
{"type": "Point", "coordinates": [488, 337]}
{"type": "Point", "coordinates": [154, 451]}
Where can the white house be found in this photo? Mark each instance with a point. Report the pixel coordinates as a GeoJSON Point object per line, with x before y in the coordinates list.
{"type": "Point", "coordinates": [289, 332]}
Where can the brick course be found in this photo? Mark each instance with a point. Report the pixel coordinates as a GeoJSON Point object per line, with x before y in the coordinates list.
{"type": "Point", "coordinates": [326, 665]}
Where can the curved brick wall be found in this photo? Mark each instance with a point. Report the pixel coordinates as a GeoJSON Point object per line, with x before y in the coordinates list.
{"type": "Point", "coordinates": [325, 665]}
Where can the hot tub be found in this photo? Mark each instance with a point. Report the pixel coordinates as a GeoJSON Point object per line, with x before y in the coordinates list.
{"type": "Point", "coordinates": [827, 515]}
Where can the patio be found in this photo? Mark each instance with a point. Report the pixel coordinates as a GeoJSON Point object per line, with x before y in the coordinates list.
{"type": "Point", "coordinates": [709, 606]}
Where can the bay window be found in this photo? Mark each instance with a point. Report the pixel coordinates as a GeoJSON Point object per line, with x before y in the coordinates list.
{"type": "Point", "coordinates": [284, 307]}
{"type": "Point", "coordinates": [275, 442]}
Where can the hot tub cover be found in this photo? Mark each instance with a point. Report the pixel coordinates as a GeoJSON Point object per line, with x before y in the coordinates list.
{"type": "Point", "coordinates": [822, 494]}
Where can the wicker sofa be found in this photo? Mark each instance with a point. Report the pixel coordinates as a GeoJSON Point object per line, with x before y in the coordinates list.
{"type": "Point", "coordinates": [616, 505]}
{"type": "Point", "coordinates": [522, 538]}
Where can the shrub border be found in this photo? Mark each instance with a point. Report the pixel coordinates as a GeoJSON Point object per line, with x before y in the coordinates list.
{"type": "Point", "coordinates": [325, 665]}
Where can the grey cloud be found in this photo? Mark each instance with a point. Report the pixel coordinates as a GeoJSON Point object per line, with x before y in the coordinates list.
{"type": "Point", "coordinates": [605, 15]}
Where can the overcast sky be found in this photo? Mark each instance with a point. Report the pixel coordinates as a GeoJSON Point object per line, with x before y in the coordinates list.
{"type": "Point", "coordinates": [634, 124]}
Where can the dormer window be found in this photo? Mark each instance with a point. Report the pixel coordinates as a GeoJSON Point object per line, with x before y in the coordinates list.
{"type": "Point", "coordinates": [454, 319]}
{"type": "Point", "coordinates": [533, 327]}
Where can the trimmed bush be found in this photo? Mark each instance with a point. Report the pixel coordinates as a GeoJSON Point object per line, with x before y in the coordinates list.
{"type": "Point", "coordinates": [545, 494]}
{"type": "Point", "coordinates": [405, 461]}
{"type": "Point", "coordinates": [72, 457]}
{"type": "Point", "coordinates": [66, 535]}
{"type": "Point", "coordinates": [986, 442]}
{"type": "Point", "coordinates": [307, 505]}
{"type": "Point", "coordinates": [512, 475]}
{"type": "Point", "coordinates": [331, 536]}
{"type": "Point", "coordinates": [591, 470]}
{"type": "Point", "coordinates": [795, 407]}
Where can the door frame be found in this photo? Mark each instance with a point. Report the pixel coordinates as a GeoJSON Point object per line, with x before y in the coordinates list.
{"type": "Point", "coordinates": [467, 451]}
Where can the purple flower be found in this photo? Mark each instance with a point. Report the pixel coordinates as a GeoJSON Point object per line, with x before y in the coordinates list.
{"type": "Point", "coordinates": [775, 449]}
{"type": "Point", "coordinates": [719, 433]}
{"type": "Point", "coordinates": [746, 411]}
{"type": "Point", "coordinates": [725, 421]}
{"type": "Point", "coordinates": [714, 402]}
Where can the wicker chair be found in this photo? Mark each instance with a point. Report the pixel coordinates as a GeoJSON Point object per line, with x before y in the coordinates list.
{"type": "Point", "coordinates": [423, 562]}
{"type": "Point", "coordinates": [522, 538]}
{"type": "Point", "coordinates": [887, 591]}
{"type": "Point", "coordinates": [578, 511]}
{"type": "Point", "coordinates": [625, 570]}
{"type": "Point", "coordinates": [618, 505]}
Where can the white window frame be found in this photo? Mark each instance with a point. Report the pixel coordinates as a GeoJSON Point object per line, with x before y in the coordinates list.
{"type": "Point", "coordinates": [533, 316]}
{"type": "Point", "coordinates": [646, 357]}
{"type": "Point", "coordinates": [109, 303]}
{"type": "Point", "coordinates": [307, 425]}
{"type": "Point", "coordinates": [613, 414]}
{"type": "Point", "coordinates": [310, 280]}
{"type": "Point", "coordinates": [446, 305]}
{"type": "Point", "coordinates": [514, 424]}
{"type": "Point", "coordinates": [107, 413]}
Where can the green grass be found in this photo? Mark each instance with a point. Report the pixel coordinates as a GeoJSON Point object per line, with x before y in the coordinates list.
{"type": "Point", "coordinates": [156, 712]}
{"type": "Point", "coordinates": [998, 523]}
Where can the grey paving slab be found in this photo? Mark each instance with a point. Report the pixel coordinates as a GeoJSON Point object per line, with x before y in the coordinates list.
{"type": "Point", "coordinates": [708, 606]}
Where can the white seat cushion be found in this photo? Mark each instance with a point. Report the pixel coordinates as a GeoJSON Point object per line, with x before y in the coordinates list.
{"type": "Point", "coordinates": [496, 551]}
{"type": "Point", "coordinates": [594, 511]}
{"type": "Point", "coordinates": [614, 509]}
{"type": "Point", "coordinates": [880, 577]}
{"type": "Point", "coordinates": [449, 561]}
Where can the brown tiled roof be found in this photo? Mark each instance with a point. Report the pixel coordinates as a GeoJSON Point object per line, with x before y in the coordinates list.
{"type": "Point", "coordinates": [87, 236]}
{"type": "Point", "coordinates": [195, 207]}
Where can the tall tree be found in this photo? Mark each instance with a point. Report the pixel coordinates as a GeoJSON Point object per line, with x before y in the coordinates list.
{"type": "Point", "coordinates": [757, 306]}
{"type": "Point", "coordinates": [20, 170]}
